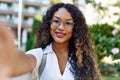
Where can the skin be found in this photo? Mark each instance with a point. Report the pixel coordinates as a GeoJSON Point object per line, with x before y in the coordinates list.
{"type": "Point", "coordinates": [16, 62]}
{"type": "Point", "coordinates": [61, 35]}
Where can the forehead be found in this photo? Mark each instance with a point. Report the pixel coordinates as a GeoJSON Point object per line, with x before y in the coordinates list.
{"type": "Point", "coordinates": [62, 13]}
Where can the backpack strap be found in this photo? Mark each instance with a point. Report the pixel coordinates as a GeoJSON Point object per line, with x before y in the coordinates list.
{"type": "Point", "coordinates": [42, 65]}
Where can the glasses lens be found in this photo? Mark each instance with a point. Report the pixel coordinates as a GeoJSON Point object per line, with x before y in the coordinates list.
{"type": "Point", "coordinates": [58, 23]}
{"type": "Point", "coordinates": [55, 21]}
{"type": "Point", "coordinates": [69, 23]}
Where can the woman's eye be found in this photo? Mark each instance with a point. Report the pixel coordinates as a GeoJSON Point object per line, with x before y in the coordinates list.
{"type": "Point", "coordinates": [55, 21]}
{"type": "Point", "coordinates": [69, 23]}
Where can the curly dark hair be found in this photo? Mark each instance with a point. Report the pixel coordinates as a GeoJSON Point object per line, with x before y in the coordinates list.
{"type": "Point", "coordinates": [81, 54]}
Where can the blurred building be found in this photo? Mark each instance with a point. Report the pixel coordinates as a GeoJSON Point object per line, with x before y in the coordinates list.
{"type": "Point", "coordinates": [31, 8]}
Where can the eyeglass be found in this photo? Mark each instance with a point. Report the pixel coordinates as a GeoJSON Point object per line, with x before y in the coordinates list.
{"type": "Point", "coordinates": [58, 23]}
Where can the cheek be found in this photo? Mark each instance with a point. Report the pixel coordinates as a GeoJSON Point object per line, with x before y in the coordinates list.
{"type": "Point", "coordinates": [70, 33]}
{"type": "Point", "coordinates": [52, 29]}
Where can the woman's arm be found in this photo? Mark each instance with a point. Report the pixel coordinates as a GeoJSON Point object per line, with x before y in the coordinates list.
{"type": "Point", "coordinates": [22, 63]}
{"type": "Point", "coordinates": [14, 60]}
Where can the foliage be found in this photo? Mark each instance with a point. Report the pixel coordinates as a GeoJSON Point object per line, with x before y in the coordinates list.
{"type": "Point", "coordinates": [111, 77]}
{"type": "Point", "coordinates": [107, 69]}
{"type": "Point", "coordinates": [117, 66]}
{"type": "Point", "coordinates": [31, 39]}
{"type": "Point", "coordinates": [105, 40]}
{"type": "Point", "coordinates": [89, 1]}
{"type": "Point", "coordinates": [106, 35]}
{"type": "Point", "coordinates": [30, 43]}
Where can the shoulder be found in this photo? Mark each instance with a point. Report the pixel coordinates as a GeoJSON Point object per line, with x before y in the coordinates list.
{"type": "Point", "coordinates": [37, 53]}
{"type": "Point", "coordinates": [33, 51]}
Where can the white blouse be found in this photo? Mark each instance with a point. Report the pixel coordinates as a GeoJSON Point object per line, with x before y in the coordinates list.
{"type": "Point", "coordinates": [51, 70]}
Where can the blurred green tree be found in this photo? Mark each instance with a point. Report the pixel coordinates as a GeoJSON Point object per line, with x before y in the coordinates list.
{"type": "Point", "coordinates": [31, 39]}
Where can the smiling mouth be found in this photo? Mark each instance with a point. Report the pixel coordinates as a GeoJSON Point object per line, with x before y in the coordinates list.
{"type": "Point", "coordinates": [60, 35]}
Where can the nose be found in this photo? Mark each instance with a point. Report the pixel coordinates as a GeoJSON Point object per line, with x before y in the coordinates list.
{"type": "Point", "coordinates": [61, 26]}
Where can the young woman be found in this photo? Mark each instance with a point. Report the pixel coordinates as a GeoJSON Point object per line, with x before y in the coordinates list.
{"type": "Point", "coordinates": [63, 35]}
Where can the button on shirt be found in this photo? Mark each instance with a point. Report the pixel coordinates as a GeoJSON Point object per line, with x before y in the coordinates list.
{"type": "Point", "coordinates": [51, 70]}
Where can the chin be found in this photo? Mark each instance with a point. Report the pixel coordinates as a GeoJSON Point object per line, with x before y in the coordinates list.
{"type": "Point", "coordinates": [60, 41]}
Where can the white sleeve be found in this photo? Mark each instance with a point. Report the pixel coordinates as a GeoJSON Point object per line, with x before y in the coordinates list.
{"type": "Point", "coordinates": [38, 52]}
{"type": "Point", "coordinates": [38, 55]}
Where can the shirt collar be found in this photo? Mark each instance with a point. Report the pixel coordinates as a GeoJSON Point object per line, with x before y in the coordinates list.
{"type": "Point", "coordinates": [48, 49]}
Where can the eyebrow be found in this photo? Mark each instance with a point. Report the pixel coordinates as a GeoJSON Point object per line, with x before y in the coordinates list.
{"type": "Point", "coordinates": [59, 18]}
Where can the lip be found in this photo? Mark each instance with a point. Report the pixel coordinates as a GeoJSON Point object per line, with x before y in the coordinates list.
{"type": "Point", "coordinates": [60, 35]}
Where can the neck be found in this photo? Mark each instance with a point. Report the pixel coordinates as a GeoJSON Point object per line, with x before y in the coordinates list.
{"type": "Point", "coordinates": [60, 48]}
